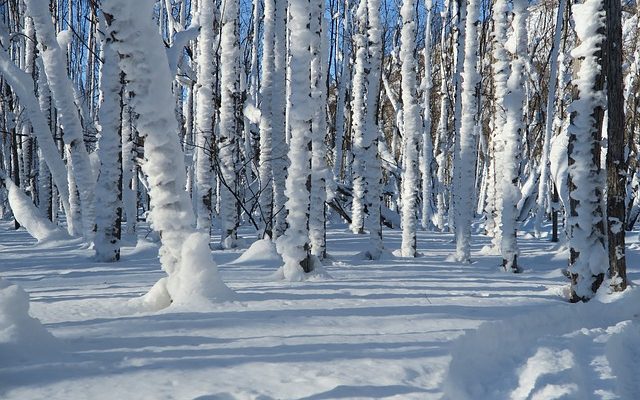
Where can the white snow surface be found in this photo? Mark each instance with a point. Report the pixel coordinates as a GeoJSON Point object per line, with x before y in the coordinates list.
{"type": "Point", "coordinates": [376, 329]}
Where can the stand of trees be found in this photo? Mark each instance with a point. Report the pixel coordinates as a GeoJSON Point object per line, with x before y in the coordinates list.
{"type": "Point", "coordinates": [203, 116]}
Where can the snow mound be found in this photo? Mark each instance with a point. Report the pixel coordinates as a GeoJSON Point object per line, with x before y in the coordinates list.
{"type": "Point", "coordinates": [21, 337]}
{"type": "Point", "coordinates": [581, 351]}
{"type": "Point", "coordinates": [30, 217]}
{"type": "Point", "coordinates": [260, 252]}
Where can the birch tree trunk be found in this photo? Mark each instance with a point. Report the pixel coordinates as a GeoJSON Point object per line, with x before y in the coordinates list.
{"type": "Point", "coordinates": [588, 256]}
{"type": "Point", "coordinates": [466, 155]}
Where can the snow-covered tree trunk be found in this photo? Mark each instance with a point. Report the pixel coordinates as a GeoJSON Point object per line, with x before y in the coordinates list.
{"type": "Point", "coordinates": [108, 225]}
{"type": "Point", "coordinates": [319, 171]}
{"type": "Point", "coordinates": [230, 122]}
{"type": "Point", "coordinates": [185, 253]}
{"type": "Point", "coordinates": [543, 184]}
{"type": "Point", "coordinates": [74, 216]}
{"type": "Point", "coordinates": [412, 126]}
{"type": "Point", "coordinates": [372, 164]}
{"type": "Point", "coordinates": [294, 244]}
{"type": "Point", "coordinates": [359, 112]}
{"type": "Point", "coordinates": [588, 257]}
{"type": "Point", "coordinates": [442, 130]}
{"type": "Point", "coordinates": [466, 154]}
{"type": "Point", "coordinates": [205, 113]}
{"type": "Point", "coordinates": [501, 71]}
{"type": "Point", "coordinates": [22, 85]}
{"type": "Point", "coordinates": [344, 82]}
{"type": "Point", "coordinates": [129, 171]}
{"type": "Point", "coordinates": [266, 117]}
{"type": "Point", "coordinates": [458, 12]}
{"type": "Point", "coordinates": [427, 144]}
{"type": "Point", "coordinates": [62, 91]}
{"type": "Point", "coordinates": [511, 138]}
{"type": "Point", "coordinates": [278, 132]}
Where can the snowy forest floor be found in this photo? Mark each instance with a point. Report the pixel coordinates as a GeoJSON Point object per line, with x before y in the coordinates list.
{"type": "Point", "coordinates": [383, 329]}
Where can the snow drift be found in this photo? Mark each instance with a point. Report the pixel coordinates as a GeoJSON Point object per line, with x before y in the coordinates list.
{"type": "Point", "coordinates": [21, 336]}
{"type": "Point", "coordinates": [581, 351]}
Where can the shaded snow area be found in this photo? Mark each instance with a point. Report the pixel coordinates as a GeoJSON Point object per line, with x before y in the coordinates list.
{"type": "Point", "coordinates": [420, 328]}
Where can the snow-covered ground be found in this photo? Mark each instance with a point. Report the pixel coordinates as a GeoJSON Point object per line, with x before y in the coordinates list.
{"type": "Point", "coordinates": [384, 329]}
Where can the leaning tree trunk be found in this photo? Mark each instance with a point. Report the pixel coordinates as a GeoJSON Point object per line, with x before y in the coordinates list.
{"type": "Point", "coordinates": [185, 254]}
{"type": "Point", "coordinates": [62, 91]}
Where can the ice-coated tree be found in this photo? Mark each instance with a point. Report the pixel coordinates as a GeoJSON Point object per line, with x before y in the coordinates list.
{"type": "Point", "coordinates": [588, 257]}
{"type": "Point", "coordinates": [205, 112]}
{"type": "Point", "coordinates": [62, 91]}
{"type": "Point", "coordinates": [412, 127]}
{"type": "Point", "coordinates": [184, 253]}
{"type": "Point", "coordinates": [466, 149]}
{"type": "Point", "coordinates": [511, 138]}
{"type": "Point", "coordinates": [231, 105]}
{"type": "Point", "coordinates": [294, 244]}
{"type": "Point", "coordinates": [108, 225]}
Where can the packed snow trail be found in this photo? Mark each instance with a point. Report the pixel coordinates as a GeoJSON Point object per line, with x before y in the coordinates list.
{"type": "Point", "coordinates": [377, 329]}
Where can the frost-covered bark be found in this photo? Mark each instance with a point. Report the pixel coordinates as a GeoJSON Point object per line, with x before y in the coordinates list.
{"type": "Point", "coordinates": [427, 144]}
{"type": "Point", "coordinates": [501, 71]}
{"type": "Point", "coordinates": [62, 91]}
{"type": "Point", "coordinates": [588, 257]}
{"type": "Point", "coordinates": [278, 132]}
{"type": "Point", "coordinates": [266, 117]}
{"type": "Point", "coordinates": [230, 122]}
{"type": "Point", "coordinates": [412, 126]}
{"type": "Point", "coordinates": [359, 112]}
{"type": "Point", "coordinates": [108, 226]}
{"type": "Point", "coordinates": [185, 253]}
{"type": "Point", "coordinates": [543, 184]}
{"type": "Point", "coordinates": [294, 244]}
{"type": "Point", "coordinates": [319, 170]}
{"type": "Point", "coordinates": [441, 131]}
{"type": "Point", "coordinates": [372, 164]}
{"type": "Point", "coordinates": [344, 82]}
{"type": "Point", "coordinates": [466, 154]}
{"type": "Point", "coordinates": [205, 114]}
{"type": "Point", "coordinates": [511, 139]}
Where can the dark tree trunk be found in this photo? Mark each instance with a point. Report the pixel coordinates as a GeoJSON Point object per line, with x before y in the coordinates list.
{"type": "Point", "coordinates": [616, 163]}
